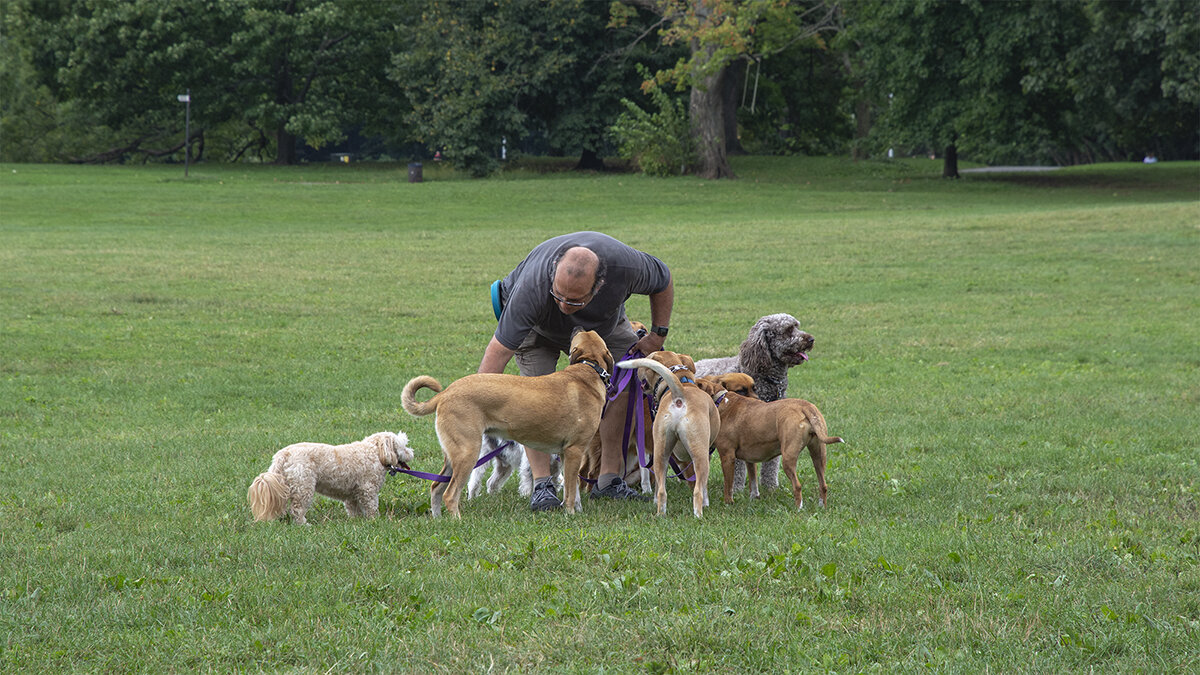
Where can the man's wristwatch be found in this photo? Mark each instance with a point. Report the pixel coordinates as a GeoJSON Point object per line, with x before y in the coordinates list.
{"type": "Point", "coordinates": [660, 331]}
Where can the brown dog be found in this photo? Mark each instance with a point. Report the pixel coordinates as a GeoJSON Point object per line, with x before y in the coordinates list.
{"type": "Point", "coordinates": [555, 413]}
{"type": "Point", "coordinates": [686, 424]}
{"type": "Point", "coordinates": [755, 431]}
{"type": "Point", "coordinates": [633, 473]}
{"type": "Point", "coordinates": [738, 383]}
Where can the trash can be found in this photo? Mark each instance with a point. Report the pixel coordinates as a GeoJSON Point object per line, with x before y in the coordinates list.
{"type": "Point", "coordinates": [414, 172]}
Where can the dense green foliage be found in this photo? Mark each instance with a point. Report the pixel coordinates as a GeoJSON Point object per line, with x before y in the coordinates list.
{"type": "Point", "coordinates": [476, 75]}
{"type": "Point", "coordinates": [1055, 82]}
{"type": "Point", "coordinates": [281, 80]}
{"type": "Point", "coordinates": [1012, 359]}
{"type": "Point", "coordinates": [659, 141]}
{"type": "Point", "coordinates": [261, 73]}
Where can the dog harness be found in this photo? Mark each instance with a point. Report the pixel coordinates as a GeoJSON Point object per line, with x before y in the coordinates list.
{"type": "Point", "coordinates": [662, 387]}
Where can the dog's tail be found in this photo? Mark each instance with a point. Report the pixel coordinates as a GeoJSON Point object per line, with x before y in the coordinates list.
{"type": "Point", "coordinates": [408, 397]}
{"type": "Point", "coordinates": [663, 372]}
{"type": "Point", "coordinates": [268, 496]}
{"type": "Point", "coordinates": [817, 421]}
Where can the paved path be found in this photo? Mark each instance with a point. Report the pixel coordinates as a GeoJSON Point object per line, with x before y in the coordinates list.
{"type": "Point", "coordinates": [1008, 169]}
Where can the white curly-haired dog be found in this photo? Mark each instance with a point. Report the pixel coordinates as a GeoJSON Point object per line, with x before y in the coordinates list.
{"type": "Point", "coordinates": [774, 345]}
{"type": "Point", "coordinates": [351, 473]}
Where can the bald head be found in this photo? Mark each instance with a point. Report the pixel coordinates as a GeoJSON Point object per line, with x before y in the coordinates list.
{"type": "Point", "coordinates": [579, 264]}
{"type": "Point", "coordinates": [578, 274]}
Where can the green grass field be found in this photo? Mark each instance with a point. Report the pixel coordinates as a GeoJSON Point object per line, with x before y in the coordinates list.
{"type": "Point", "coordinates": [1014, 361]}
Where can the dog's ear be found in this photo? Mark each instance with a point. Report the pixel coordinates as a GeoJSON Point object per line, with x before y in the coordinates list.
{"type": "Point", "coordinates": [687, 361]}
{"type": "Point", "coordinates": [609, 364]}
{"type": "Point", "coordinates": [385, 445]}
{"type": "Point", "coordinates": [755, 354]}
{"type": "Point", "coordinates": [708, 386]}
{"type": "Point", "coordinates": [576, 351]}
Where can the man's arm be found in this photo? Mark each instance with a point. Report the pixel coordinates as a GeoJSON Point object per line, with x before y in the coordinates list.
{"type": "Point", "coordinates": [660, 315]}
{"type": "Point", "coordinates": [495, 357]}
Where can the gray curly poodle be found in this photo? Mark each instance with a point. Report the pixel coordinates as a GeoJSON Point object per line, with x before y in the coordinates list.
{"type": "Point", "coordinates": [774, 345]}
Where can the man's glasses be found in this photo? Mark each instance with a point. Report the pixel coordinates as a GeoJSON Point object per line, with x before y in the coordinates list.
{"type": "Point", "coordinates": [568, 303]}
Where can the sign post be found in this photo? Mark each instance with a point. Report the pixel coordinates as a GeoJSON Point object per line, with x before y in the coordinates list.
{"type": "Point", "coordinates": [187, 130]}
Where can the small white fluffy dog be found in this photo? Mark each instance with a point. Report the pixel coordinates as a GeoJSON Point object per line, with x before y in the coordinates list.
{"type": "Point", "coordinates": [351, 473]}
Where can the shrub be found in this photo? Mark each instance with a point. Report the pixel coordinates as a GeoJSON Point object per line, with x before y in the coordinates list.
{"type": "Point", "coordinates": [660, 142]}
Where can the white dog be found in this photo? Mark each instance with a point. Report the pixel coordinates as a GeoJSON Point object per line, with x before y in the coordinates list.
{"type": "Point", "coordinates": [351, 473]}
{"type": "Point", "coordinates": [510, 458]}
{"type": "Point", "coordinates": [502, 465]}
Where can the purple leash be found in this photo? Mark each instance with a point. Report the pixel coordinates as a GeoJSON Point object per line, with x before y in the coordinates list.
{"type": "Point", "coordinates": [635, 403]}
{"type": "Point", "coordinates": [439, 478]}
{"type": "Point", "coordinates": [634, 406]}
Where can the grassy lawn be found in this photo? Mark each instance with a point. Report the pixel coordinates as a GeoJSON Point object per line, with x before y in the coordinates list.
{"type": "Point", "coordinates": [1013, 360]}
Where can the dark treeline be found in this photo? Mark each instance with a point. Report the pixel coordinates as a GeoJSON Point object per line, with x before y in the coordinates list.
{"type": "Point", "coordinates": [292, 80]}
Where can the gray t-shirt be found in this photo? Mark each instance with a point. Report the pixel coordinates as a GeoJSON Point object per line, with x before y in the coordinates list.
{"type": "Point", "coordinates": [525, 292]}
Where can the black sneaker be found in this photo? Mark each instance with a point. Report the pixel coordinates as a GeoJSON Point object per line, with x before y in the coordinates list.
{"type": "Point", "coordinates": [544, 497]}
{"type": "Point", "coordinates": [619, 489]}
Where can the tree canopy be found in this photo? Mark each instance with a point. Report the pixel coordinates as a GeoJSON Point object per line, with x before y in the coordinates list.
{"type": "Point", "coordinates": [1009, 81]}
{"type": "Point", "coordinates": [1021, 80]}
{"type": "Point", "coordinates": [263, 72]}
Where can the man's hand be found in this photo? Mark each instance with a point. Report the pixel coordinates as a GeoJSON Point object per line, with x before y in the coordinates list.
{"type": "Point", "coordinates": [653, 342]}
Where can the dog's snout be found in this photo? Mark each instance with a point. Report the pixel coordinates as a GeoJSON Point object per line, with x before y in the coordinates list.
{"type": "Point", "coordinates": [807, 341]}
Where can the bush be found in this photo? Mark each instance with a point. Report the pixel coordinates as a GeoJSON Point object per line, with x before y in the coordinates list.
{"type": "Point", "coordinates": [660, 143]}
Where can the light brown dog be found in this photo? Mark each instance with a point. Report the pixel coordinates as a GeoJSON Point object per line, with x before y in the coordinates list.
{"type": "Point", "coordinates": [633, 472]}
{"type": "Point", "coordinates": [738, 383]}
{"type": "Point", "coordinates": [755, 431]}
{"type": "Point", "coordinates": [686, 424]}
{"type": "Point", "coordinates": [555, 413]}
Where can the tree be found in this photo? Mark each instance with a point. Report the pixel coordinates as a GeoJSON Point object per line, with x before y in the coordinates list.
{"type": "Point", "coordinates": [1134, 80]}
{"type": "Point", "coordinates": [275, 70]}
{"type": "Point", "coordinates": [476, 74]}
{"type": "Point", "coordinates": [719, 33]}
{"type": "Point", "coordinates": [795, 101]}
{"type": "Point", "coordinates": [1028, 80]}
{"type": "Point", "coordinates": [304, 65]}
{"type": "Point", "coordinates": [949, 73]}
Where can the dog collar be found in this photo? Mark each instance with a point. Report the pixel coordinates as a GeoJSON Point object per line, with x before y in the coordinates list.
{"type": "Point", "coordinates": [719, 398]}
{"type": "Point", "coordinates": [682, 378]}
{"type": "Point", "coordinates": [599, 371]}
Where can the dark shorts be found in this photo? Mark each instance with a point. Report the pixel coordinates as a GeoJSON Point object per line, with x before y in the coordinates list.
{"type": "Point", "coordinates": [538, 356]}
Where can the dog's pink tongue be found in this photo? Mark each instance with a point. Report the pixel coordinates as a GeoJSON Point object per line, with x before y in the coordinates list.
{"type": "Point", "coordinates": [803, 356]}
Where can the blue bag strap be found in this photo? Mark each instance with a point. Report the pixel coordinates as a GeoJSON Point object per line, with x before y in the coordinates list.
{"type": "Point", "coordinates": [496, 307]}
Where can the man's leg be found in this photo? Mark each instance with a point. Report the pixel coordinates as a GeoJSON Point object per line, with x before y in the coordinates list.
{"type": "Point", "coordinates": [611, 481]}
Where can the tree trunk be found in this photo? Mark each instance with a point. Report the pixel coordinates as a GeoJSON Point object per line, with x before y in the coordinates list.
{"type": "Point", "coordinates": [862, 124]}
{"type": "Point", "coordinates": [708, 127]}
{"type": "Point", "coordinates": [950, 167]}
{"type": "Point", "coordinates": [731, 98]}
{"type": "Point", "coordinates": [285, 146]}
{"type": "Point", "coordinates": [589, 160]}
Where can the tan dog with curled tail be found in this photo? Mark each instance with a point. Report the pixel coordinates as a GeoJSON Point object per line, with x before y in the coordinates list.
{"type": "Point", "coordinates": [555, 413]}
{"type": "Point", "coordinates": [685, 425]}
